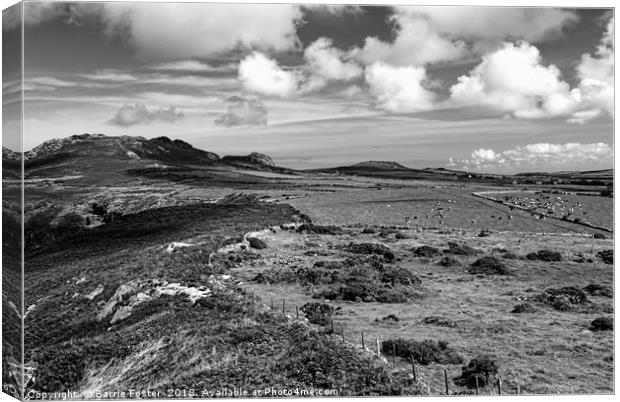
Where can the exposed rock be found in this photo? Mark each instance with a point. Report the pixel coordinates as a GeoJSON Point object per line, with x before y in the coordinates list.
{"type": "Point", "coordinates": [96, 292]}
{"type": "Point", "coordinates": [256, 243]}
{"type": "Point", "coordinates": [133, 293]}
{"type": "Point", "coordinates": [174, 246]}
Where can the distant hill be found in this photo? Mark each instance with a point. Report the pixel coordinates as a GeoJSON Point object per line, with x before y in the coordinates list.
{"type": "Point", "coordinates": [98, 154]}
{"type": "Point", "coordinates": [379, 165]}
{"type": "Point", "coordinates": [394, 170]}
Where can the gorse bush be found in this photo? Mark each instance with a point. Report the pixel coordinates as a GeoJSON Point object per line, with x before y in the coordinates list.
{"type": "Point", "coordinates": [318, 313]}
{"type": "Point", "coordinates": [60, 368]}
{"type": "Point", "coordinates": [320, 229]}
{"type": "Point", "coordinates": [370, 248]}
{"type": "Point", "coordinates": [482, 367]}
{"type": "Point", "coordinates": [426, 251]}
{"type": "Point", "coordinates": [424, 352]}
{"type": "Point", "coordinates": [488, 266]}
{"type": "Point", "coordinates": [461, 249]}
{"type": "Point", "coordinates": [545, 255]}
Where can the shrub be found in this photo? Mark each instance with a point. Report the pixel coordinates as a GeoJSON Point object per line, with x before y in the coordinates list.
{"type": "Point", "coordinates": [599, 236]}
{"type": "Point", "coordinates": [449, 261]}
{"type": "Point", "coordinates": [59, 368]}
{"type": "Point", "coordinates": [320, 229]}
{"type": "Point", "coordinates": [402, 236]}
{"type": "Point", "coordinates": [70, 222]}
{"type": "Point", "coordinates": [424, 352]}
{"type": "Point", "coordinates": [482, 367]}
{"type": "Point", "coordinates": [607, 256]}
{"type": "Point", "coordinates": [510, 256]}
{"type": "Point", "coordinates": [389, 317]}
{"type": "Point", "coordinates": [331, 264]}
{"type": "Point", "coordinates": [386, 232]}
{"type": "Point", "coordinates": [368, 230]}
{"type": "Point", "coordinates": [318, 313]}
{"type": "Point", "coordinates": [461, 249]}
{"type": "Point", "coordinates": [400, 276]}
{"type": "Point", "coordinates": [322, 362]}
{"type": "Point", "coordinates": [426, 251]}
{"type": "Point", "coordinates": [563, 299]}
{"type": "Point", "coordinates": [371, 248]}
{"type": "Point", "coordinates": [256, 243]}
{"type": "Point", "coordinates": [523, 308]}
{"type": "Point", "coordinates": [545, 255]}
{"type": "Point", "coordinates": [488, 266]}
{"type": "Point", "coordinates": [594, 289]}
{"type": "Point", "coordinates": [484, 233]}
{"type": "Point", "coordinates": [440, 321]}
{"type": "Point", "coordinates": [602, 324]}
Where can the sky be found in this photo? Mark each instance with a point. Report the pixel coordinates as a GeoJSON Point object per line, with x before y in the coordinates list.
{"type": "Point", "coordinates": [496, 89]}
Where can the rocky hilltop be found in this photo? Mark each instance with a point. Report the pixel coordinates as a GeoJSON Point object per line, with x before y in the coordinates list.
{"type": "Point", "coordinates": [254, 159]}
{"type": "Point", "coordinates": [160, 148]}
{"type": "Point", "coordinates": [101, 155]}
{"type": "Point", "coordinates": [10, 155]}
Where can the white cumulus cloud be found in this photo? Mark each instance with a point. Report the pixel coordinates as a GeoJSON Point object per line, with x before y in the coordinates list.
{"type": "Point", "coordinates": [262, 75]}
{"type": "Point", "coordinates": [596, 75]}
{"type": "Point", "coordinates": [398, 89]}
{"type": "Point", "coordinates": [325, 63]}
{"type": "Point", "coordinates": [540, 155]}
{"type": "Point", "coordinates": [514, 79]}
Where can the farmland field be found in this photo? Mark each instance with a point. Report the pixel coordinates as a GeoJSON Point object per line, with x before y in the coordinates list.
{"type": "Point", "coordinates": [176, 254]}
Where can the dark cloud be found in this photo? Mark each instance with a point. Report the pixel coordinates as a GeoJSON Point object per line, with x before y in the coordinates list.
{"type": "Point", "coordinates": [131, 115]}
{"type": "Point", "coordinates": [243, 112]}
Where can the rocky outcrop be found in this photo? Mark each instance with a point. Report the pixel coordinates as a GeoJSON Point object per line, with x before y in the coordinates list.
{"type": "Point", "coordinates": [254, 159]}
{"type": "Point", "coordinates": [131, 294]}
{"type": "Point", "coordinates": [124, 147]}
{"type": "Point", "coordinates": [8, 154]}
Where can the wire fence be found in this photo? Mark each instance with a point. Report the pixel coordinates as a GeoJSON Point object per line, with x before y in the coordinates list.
{"type": "Point", "coordinates": [432, 380]}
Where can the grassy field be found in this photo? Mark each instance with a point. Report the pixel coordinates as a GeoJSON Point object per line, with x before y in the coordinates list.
{"type": "Point", "coordinates": [547, 351]}
{"type": "Point", "coordinates": [151, 296]}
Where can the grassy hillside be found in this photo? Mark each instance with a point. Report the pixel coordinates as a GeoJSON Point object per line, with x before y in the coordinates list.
{"type": "Point", "coordinates": [169, 334]}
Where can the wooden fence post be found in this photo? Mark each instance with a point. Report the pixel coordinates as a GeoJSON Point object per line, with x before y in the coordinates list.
{"type": "Point", "coordinates": [499, 385]}
{"type": "Point", "coordinates": [393, 354]}
{"type": "Point", "coordinates": [378, 348]}
{"type": "Point", "coordinates": [363, 345]}
{"type": "Point", "coordinates": [445, 376]}
{"type": "Point", "coordinates": [283, 306]}
{"type": "Point", "coordinates": [477, 386]}
{"type": "Point", "coordinates": [297, 311]}
{"type": "Point", "coordinates": [415, 378]}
